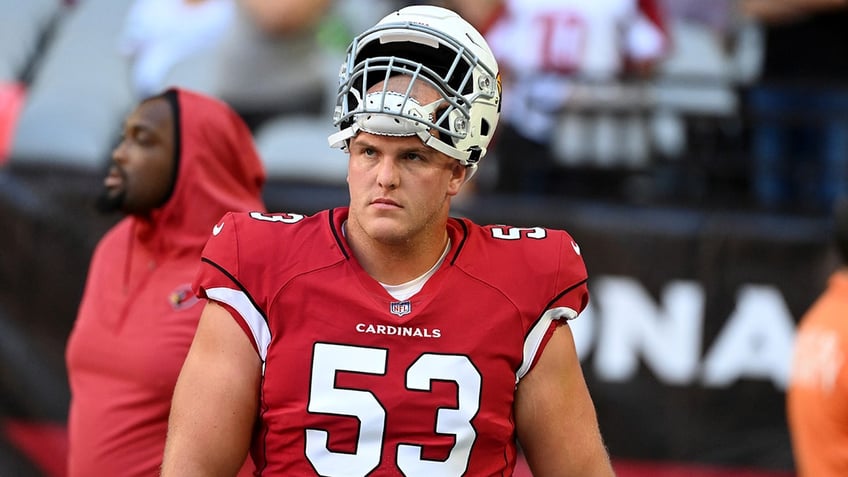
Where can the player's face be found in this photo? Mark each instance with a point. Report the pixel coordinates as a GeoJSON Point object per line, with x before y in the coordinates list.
{"type": "Point", "coordinates": [141, 175]}
{"type": "Point", "coordinates": [400, 188]}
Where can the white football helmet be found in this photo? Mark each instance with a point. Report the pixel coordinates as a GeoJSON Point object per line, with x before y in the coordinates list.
{"type": "Point", "coordinates": [432, 45]}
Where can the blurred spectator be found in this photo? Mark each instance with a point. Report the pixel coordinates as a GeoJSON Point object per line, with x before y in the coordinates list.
{"type": "Point", "coordinates": [557, 55]}
{"type": "Point", "coordinates": [271, 60]}
{"type": "Point", "coordinates": [266, 58]}
{"type": "Point", "coordinates": [817, 396]}
{"type": "Point", "coordinates": [280, 70]}
{"type": "Point", "coordinates": [275, 57]}
{"type": "Point", "coordinates": [159, 34]}
{"type": "Point", "coordinates": [184, 161]}
{"type": "Point", "coordinates": [800, 105]}
{"type": "Point", "coordinates": [717, 15]}
{"type": "Point", "coordinates": [698, 138]}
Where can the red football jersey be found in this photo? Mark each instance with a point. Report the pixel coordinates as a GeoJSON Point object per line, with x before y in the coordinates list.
{"type": "Point", "coordinates": [358, 383]}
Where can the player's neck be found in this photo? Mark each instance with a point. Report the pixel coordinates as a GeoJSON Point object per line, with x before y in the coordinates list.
{"type": "Point", "coordinates": [394, 264]}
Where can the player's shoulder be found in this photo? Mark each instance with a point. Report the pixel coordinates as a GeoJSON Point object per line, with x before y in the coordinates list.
{"type": "Point", "coordinates": [535, 250]}
{"type": "Point", "coordinates": [536, 240]}
{"type": "Point", "coordinates": [278, 224]}
{"type": "Point", "coordinates": [520, 261]}
{"type": "Point", "coordinates": [277, 233]}
{"type": "Point", "coordinates": [283, 242]}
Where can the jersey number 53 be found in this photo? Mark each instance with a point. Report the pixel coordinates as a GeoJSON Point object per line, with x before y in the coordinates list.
{"type": "Point", "coordinates": [325, 397]}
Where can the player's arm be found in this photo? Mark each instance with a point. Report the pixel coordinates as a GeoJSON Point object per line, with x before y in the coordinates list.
{"type": "Point", "coordinates": [555, 417]}
{"type": "Point", "coordinates": [215, 400]}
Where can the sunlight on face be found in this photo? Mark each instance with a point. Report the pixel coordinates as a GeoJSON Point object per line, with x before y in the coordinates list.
{"type": "Point", "coordinates": [400, 189]}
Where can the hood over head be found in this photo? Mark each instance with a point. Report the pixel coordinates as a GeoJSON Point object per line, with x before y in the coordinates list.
{"type": "Point", "coordinates": [218, 170]}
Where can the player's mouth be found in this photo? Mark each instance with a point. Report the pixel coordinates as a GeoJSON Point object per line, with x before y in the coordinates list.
{"type": "Point", "coordinates": [115, 179]}
{"type": "Point", "coordinates": [383, 203]}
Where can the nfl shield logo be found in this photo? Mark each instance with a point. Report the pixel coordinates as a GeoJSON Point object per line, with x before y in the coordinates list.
{"type": "Point", "coordinates": [400, 308]}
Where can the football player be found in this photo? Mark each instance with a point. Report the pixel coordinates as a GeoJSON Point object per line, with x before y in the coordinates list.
{"type": "Point", "coordinates": [386, 337]}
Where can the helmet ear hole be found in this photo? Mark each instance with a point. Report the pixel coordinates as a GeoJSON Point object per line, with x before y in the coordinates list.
{"type": "Point", "coordinates": [484, 127]}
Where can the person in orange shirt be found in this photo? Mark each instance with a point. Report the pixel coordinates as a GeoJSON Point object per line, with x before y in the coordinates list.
{"type": "Point", "coordinates": [817, 396]}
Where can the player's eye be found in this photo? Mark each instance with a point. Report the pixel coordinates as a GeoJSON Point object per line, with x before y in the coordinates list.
{"type": "Point", "coordinates": [145, 138]}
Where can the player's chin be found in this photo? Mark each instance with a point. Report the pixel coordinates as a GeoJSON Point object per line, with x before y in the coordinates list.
{"type": "Point", "coordinates": [387, 230]}
{"type": "Point", "coordinates": [110, 200]}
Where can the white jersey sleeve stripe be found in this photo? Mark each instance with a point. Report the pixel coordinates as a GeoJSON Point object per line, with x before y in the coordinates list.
{"type": "Point", "coordinates": [537, 333]}
{"type": "Point", "coordinates": [251, 316]}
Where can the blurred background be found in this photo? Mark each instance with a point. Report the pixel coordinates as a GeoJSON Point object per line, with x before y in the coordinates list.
{"type": "Point", "coordinates": [693, 148]}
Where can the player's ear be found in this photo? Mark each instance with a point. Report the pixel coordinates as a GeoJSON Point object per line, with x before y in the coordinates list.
{"type": "Point", "coordinates": [458, 174]}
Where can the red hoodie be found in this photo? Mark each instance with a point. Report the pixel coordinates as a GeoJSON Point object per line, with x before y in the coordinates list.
{"type": "Point", "coordinates": [138, 316]}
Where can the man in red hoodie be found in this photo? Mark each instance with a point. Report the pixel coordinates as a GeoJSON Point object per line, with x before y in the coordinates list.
{"type": "Point", "coordinates": [184, 161]}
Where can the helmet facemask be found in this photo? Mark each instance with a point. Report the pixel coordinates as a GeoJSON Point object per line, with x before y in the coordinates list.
{"type": "Point", "coordinates": [459, 124]}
